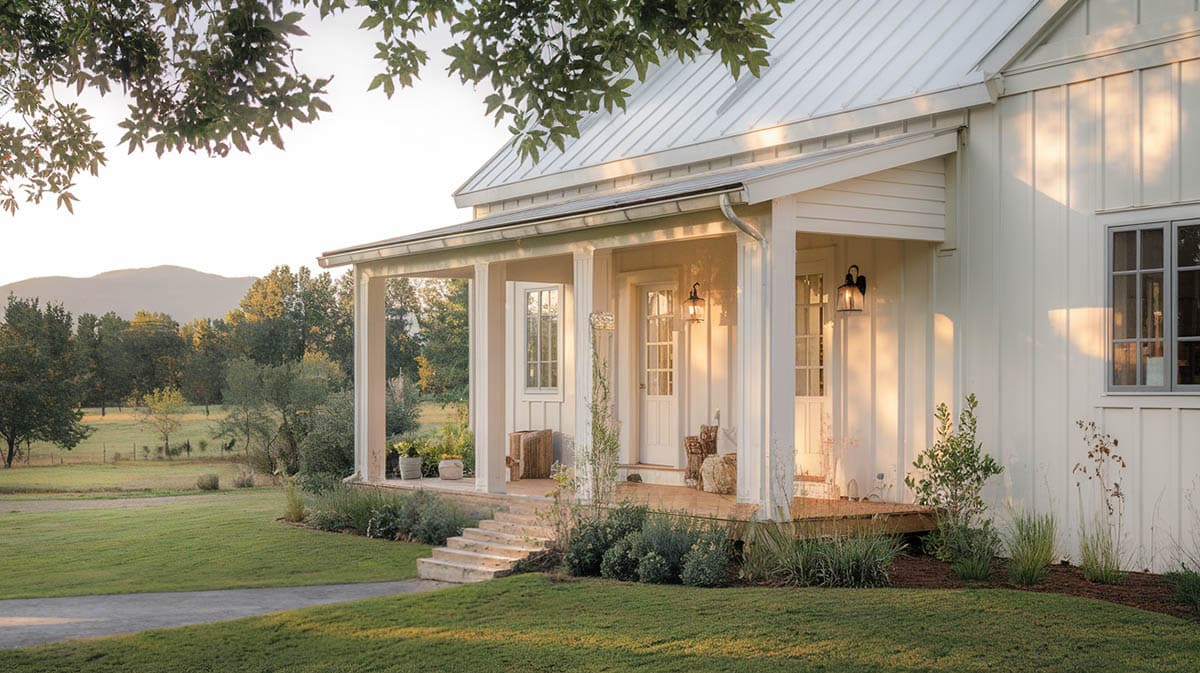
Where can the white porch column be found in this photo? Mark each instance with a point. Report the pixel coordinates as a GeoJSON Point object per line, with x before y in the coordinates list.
{"type": "Point", "coordinates": [766, 362]}
{"type": "Point", "coordinates": [781, 355]}
{"type": "Point", "coordinates": [370, 375]}
{"type": "Point", "coordinates": [584, 296]}
{"type": "Point", "coordinates": [486, 323]}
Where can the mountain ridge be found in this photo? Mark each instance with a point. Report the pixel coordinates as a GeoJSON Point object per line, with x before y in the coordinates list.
{"type": "Point", "coordinates": [183, 293]}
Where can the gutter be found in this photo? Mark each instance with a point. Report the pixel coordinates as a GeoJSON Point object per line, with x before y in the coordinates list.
{"type": "Point", "coordinates": [745, 227]}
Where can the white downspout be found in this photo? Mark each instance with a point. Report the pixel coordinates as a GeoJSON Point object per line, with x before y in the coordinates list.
{"type": "Point", "coordinates": [745, 227]}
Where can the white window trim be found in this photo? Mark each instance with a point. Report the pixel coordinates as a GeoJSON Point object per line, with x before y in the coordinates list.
{"type": "Point", "coordinates": [1170, 273]}
{"type": "Point", "coordinates": [548, 393]}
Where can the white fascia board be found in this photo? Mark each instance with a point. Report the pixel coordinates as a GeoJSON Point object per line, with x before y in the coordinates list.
{"type": "Point", "coordinates": [947, 100]}
{"type": "Point", "coordinates": [1037, 22]}
{"type": "Point", "coordinates": [850, 165]}
{"type": "Point", "coordinates": [529, 230]}
{"type": "Point", "coordinates": [1083, 67]}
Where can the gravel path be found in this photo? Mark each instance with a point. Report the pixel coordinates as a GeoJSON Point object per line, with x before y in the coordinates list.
{"type": "Point", "coordinates": [34, 621]}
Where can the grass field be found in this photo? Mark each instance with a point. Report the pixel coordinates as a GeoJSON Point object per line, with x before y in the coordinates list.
{"type": "Point", "coordinates": [227, 541]}
{"type": "Point", "coordinates": [162, 477]}
{"type": "Point", "coordinates": [122, 431]}
{"type": "Point", "coordinates": [531, 623]}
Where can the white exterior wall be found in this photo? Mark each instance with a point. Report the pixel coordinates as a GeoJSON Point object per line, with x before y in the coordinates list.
{"type": "Point", "coordinates": [1045, 173]}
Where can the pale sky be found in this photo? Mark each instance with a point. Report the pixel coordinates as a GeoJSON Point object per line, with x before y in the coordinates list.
{"type": "Point", "coordinates": [371, 169]}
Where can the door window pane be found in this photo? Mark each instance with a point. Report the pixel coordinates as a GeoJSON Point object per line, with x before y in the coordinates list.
{"type": "Point", "coordinates": [658, 354]}
{"type": "Point", "coordinates": [1152, 306]}
{"type": "Point", "coordinates": [1124, 365]}
{"type": "Point", "coordinates": [1124, 251]}
{"type": "Point", "coordinates": [1189, 364]}
{"type": "Point", "coordinates": [1187, 291]}
{"type": "Point", "coordinates": [811, 307]}
{"type": "Point", "coordinates": [1188, 246]}
{"type": "Point", "coordinates": [1124, 307]}
{"type": "Point", "coordinates": [1152, 248]}
{"type": "Point", "coordinates": [1153, 365]}
{"type": "Point", "coordinates": [541, 339]}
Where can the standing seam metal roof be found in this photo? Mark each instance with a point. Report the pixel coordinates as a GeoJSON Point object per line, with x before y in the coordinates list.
{"type": "Point", "coordinates": [827, 56]}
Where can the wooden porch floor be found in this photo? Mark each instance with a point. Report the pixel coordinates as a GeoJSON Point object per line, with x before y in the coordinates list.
{"type": "Point", "coordinates": [818, 514]}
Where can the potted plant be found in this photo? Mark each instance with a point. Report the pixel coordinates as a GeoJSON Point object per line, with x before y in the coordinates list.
{"type": "Point", "coordinates": [451, 466]}
{"type": "Point", "coordinates": [410, 459]}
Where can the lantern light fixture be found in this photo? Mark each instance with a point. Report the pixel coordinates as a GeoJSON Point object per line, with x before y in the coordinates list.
{"type": "Point", "coordinates": [694, 305]}
{"type": "Point", "coordinates": [852, 292]}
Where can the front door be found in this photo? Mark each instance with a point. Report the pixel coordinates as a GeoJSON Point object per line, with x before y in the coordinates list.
{"type": "Point", "coordinates": [814, 327]}
{"type": "Point", "coordinates": [656, 367]}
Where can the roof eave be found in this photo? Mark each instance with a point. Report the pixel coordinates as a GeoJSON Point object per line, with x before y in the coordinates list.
{"type": "Point", "coordinates": [938, 102]}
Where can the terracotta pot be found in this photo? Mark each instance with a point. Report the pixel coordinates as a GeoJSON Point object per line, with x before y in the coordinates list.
{"type": "Point", "coordinates": [410, 468]}
{"type": "Point", "coordinates": [451, 470]}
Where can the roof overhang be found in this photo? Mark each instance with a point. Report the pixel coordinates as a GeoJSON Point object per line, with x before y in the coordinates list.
{"type": "Point", "coordinates": [745, 185]}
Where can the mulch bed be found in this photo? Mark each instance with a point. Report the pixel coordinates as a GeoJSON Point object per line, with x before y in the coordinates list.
{"type": "Point", "coordinates": [1145, 591]}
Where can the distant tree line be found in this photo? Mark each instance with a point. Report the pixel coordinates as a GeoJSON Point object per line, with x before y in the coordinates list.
{"type": "Point", "coordinates": [271, 361]}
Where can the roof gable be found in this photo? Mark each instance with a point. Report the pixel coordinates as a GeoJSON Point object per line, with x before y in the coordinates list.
{"type": "Point", "coordinates": [829, 58]}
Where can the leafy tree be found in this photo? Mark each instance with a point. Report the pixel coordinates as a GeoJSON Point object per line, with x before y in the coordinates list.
{"type": "Point", "coordinates": [247, 419]}
{"type": "Point", "coordinates": [403, 338]}
{"type": "Point", "coordinates": [113, 379]}
{"type": "Point", "coordinates": [203, 372]}
{"type": "Point", "coordinates": [154, 351]}
{"type": "Point", "coordinates": [164, 410]}
{"type": "Point", "coordinates": [208, 75]}
{"type": "Point", "coordinates": [292, 390]}
{"type": "Point", "coordinates": [39, 392]}
{"type": "Point", "coordinates": [445, 356]}
{"type": "Point", "coordinates": [285, 315]}
{"type": "Point", "coordinates": [328, 448]}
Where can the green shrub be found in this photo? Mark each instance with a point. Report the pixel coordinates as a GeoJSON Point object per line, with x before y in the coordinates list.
{"type": "Point", "coordinates": [670, 538]}
{"type": "Point", "coordinates": [328, 446]}
{"type": "Point", "coordinates": [707, 563]}
{"type": "Point", "coordinates": [208, 482]}
{"type": "Point", "coordinates": [1100, 552]}
{"type": "Point", "coordinates": [385, 524]}
{"type": "Point", "coordinates": [971, 550]}
{"type": "Point", "coordinates": [955, 469]}
{"type": "Point", "coordinates": [354, 506]}
{"type": "Point", "coordinates": [654, 569]}
{"type": "Point", "coordinates": [589, 541]}
{"type": "Point", "coordinates": [1031, 545]}
{"type": "Point", "coordinates": [329, 520]}
{"type": "Point", "coordinates": [438, 521]}
{"type": "Point", "coordinates": [294, 511]}
{"type": "Point", "coordinates": [619, 562]}
{"type": "Point", "coordinates": [858, 561]}
{"type": "Point", "coordinates": [626, 518]}
{"type": "Point", "coordinates": [1186, 584]}
{"type": "Point", "coordinates": [321, 482]}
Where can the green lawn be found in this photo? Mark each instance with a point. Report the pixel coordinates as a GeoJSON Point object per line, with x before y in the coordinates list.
{"type": "Point", "coordinates": [228, 541]}
{"type": "Point", "coordinates": [122, 431]}
{"type": "Point", "coordinates": [156, 477]}
{"type": "Point", "coordinates": [530, 623]}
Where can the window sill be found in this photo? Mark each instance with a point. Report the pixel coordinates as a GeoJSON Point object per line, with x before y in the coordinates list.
{"type": "Point", "coordinates": [1150, 399]}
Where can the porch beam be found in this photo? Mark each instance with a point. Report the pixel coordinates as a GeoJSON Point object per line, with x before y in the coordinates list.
{"type": "Point", "coordinates": [486, 380]}
{"type": "Point", "coordinates": [370, 374]}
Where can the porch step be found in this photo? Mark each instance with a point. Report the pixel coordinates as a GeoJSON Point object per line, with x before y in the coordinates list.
{"type": "Point", "coordinates": [450, 571]}
{"type": "Point", "coordinates": [491, 550]}
{"type": "Point", "coordinates": [534, 531]}
{"type": "Point", "coordinates": [477, 559]}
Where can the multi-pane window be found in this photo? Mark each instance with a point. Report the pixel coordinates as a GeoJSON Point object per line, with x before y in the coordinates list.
{"type": "Point", "coordinates": [810, 335]}
{"type": "Point", "coordinates": [541, 339]}
{"type": "Point", "coordinates": [1155, 299]}
{"type": "Point", "coordinates": [660, 343]}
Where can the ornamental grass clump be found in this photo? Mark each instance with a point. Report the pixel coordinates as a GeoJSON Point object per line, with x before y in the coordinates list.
{"type": "Point", "coordinates": [294, 511]}
{"type": "Point", "coordinates": [782, 554]}
{"type": "Point", "coordinates": [1101, 539]}
{"type": "Point", "coordinates": [1186, 585]}
{"type": "Point", "coordinates": [208, 482]}
{"type": "Point", "coordinates": [1031, 545]}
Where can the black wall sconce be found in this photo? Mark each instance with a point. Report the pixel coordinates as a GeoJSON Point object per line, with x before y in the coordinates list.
{"type": "Point", "coordinates": [693, 306]}
{"type": "Point", "coordinates": [852, 292]}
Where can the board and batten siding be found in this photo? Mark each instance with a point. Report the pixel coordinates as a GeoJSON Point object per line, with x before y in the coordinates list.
{"type": "Point", "coordinates": [1045, 173]}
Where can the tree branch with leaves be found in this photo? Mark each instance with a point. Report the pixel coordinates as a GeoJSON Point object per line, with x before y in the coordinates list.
{"type": "Point", "coordinates": [213, 75]}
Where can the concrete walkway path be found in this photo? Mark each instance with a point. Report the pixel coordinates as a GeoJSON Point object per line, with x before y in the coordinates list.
{"type": "Point", "coordinates": [33, 621]}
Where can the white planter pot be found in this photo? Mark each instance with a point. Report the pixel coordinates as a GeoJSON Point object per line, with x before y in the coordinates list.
{"type": "Point", "coordinates": [450, 470]}
{"type": "Point", "coordinates": [410, 468]}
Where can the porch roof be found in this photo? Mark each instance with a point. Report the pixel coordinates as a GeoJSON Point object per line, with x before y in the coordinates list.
{"type": "Point", "coordinates": [747, 184]}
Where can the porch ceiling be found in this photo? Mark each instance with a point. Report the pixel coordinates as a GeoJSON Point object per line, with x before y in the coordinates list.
{"type": "Point", "coordinates": [754, 184]}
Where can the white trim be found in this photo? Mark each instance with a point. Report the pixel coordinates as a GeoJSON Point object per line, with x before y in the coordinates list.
{"type": "Point", "coordinates": [846, 166]}
{"type": "Point", "coordinates": [1039, 21]}
{"type": "Point", "coordinates": [1127, 58]}
{"type": "Point", "coordinates": [625, 386]}
{"type": "Point", "coordinates": [521, 336]}
{"type": "Point", "coordinates": [933, 103]}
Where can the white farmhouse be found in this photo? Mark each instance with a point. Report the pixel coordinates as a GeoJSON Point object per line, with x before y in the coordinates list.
{"type": "Point", "coordinates": [1017, 183]}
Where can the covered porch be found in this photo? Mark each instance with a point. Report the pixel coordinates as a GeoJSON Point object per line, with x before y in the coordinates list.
{"type": "Point", "coordinates": [813, 405]}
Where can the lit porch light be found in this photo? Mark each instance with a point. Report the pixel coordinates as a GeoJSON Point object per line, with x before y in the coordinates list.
{"type": "Point", "coordinates": [852, 292]}
{"type": "Point", "coordinates": [694, 305]}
